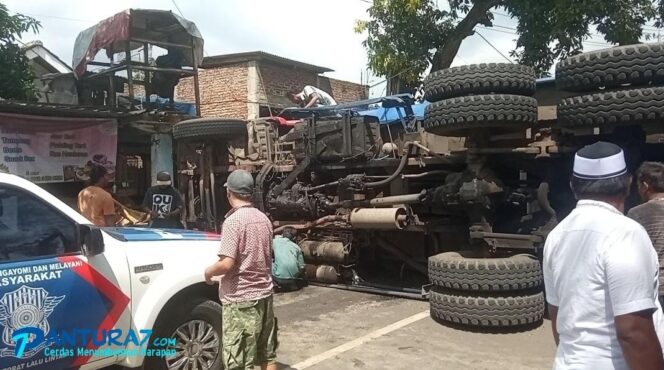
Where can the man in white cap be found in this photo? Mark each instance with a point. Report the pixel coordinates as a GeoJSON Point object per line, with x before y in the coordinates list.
{"type": "Point", "coordinates": [245, 261]}
{"type": "Point", "coordinates": [601, 273]}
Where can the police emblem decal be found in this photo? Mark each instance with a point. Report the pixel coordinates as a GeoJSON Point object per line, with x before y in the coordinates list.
{"type": "Point", "coordinates": [25, 307]}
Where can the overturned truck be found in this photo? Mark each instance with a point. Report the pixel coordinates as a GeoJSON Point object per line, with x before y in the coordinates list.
{"type": "Point", "coordinates": [454, 205]}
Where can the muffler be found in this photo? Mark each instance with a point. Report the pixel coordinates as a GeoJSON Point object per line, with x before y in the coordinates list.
{"type": "Point", "coordinates": [321, 273]}
{"type": "Point", "coordinates": [379, 218]}
{"type": "Point", "coordinates": [315, 251]}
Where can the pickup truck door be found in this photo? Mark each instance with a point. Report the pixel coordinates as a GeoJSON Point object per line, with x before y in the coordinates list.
{"type": "Point", "coordinates": [47, 284]}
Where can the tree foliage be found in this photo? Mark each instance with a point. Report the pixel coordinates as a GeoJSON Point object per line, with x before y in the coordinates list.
{"type": "Point", "coordinates": [16, 76]}
{"type": "Point", "coordinates": [401, 34]}
{"type": "Point", "coordinates": [415, 34]}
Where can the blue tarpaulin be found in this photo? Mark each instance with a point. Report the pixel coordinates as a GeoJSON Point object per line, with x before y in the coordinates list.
{"type": "Point", "coordinates": [388, 116]}
{"type": "Point", "coordinates": [186, 108]}
{"type": "Point", "coordinates": [388, 109]}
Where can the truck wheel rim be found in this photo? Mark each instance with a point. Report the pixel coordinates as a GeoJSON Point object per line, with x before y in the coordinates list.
{"type": "Point", "coordinates": [196, 347]}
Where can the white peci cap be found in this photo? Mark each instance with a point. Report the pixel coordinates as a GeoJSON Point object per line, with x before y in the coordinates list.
{"type": "Point", "coordinates": [599, 161]}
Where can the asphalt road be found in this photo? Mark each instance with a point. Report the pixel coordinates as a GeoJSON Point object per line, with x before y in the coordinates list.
{"type": "Point", "coordinates": [323, 328]}
{"type": "Point", "coordinates": [329, 329]}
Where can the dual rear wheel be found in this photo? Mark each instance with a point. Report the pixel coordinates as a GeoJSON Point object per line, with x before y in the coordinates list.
{"type": "Point", "coordinates": [486, 292]}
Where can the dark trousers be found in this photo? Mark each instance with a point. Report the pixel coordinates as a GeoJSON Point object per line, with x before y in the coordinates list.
{"type": "Point", "coordinates": [288, 285]}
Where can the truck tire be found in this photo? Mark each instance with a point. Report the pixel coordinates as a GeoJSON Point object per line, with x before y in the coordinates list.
{"type": "Point", "coordinates": [193, 319]}
{"type": "Point", "coordinates": [497, 78]}
{"type": "Point", "coordinates": [460, 271]}
{"type": "Point", "coordinates": [458, 116]}
{"type": "Point", "coordinates": [613, 107]}
{"type": "Point", "coordinates": [487, 312]}
{"type": "Point", "coordinates": [638, 64]}
{"type": "Point", "coordinates": [209, 128]}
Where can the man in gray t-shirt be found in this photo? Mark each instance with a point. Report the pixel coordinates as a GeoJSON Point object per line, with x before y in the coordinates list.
{"type": "Point", "coordinates": [650, 181]}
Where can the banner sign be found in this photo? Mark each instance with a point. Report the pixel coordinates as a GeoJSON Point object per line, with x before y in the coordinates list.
{"type": "Point", "coordinates": [57, 150]}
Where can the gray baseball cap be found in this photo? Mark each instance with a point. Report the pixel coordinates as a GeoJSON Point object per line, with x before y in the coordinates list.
{"type": "Point", "coordinates": [163, 178]}
{"type": "Point", "coordinates": [240, 182]}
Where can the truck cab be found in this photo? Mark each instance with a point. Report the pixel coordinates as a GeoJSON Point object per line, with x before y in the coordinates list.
{"type": "Point", "coordinates": [76, 296]}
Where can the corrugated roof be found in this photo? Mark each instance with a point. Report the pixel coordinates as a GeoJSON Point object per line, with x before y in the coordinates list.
{"type": "Point", "coordinates": [63, 110]}
{"type": "Point", "coordinates": [226, 59]}
{"type": "Point", "coordinates": [37, 43]}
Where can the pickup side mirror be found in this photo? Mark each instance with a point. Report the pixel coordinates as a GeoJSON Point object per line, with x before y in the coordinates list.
{"type": "Point", "coordinates": [92, 240]}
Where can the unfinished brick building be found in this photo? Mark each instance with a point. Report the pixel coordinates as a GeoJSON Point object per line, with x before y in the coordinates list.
{"type": "Point", "coordinates": [248, 85]}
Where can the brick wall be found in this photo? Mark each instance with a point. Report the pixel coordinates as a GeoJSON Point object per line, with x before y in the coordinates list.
{"type": "Point", "coordinates": [139, 90]}
{"type": "Point", "coordinates": [279, 80]}
{"type": "Point", "coordinates": [223, 91]}
{"type": "Point", "coordinates": [345, 91]}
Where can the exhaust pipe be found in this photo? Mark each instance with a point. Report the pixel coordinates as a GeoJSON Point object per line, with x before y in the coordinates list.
{"type": "Point", "coordinates": [379, 218]}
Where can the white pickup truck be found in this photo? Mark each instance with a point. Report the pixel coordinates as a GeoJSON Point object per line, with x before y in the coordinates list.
{"type": "Point", "coordinates": [76, 296]}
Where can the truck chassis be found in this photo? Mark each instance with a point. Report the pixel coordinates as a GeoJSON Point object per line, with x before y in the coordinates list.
{"type": "Point", "coordinates": [454, 207]}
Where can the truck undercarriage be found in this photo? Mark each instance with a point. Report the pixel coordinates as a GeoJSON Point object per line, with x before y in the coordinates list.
{"type": "Point", "coordinates": [454, 205]}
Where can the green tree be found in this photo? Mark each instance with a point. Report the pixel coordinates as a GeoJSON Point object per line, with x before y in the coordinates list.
{"type": "Point", "coordinates": [16, 76]}
{"type": "Point", "coordinates": [404, 37]}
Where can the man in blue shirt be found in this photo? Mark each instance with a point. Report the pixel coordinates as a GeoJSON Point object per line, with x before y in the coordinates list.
{"type": "Point", "coordinates": [288, 264]}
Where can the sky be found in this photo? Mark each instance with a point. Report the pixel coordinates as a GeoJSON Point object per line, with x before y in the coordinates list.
{"type": "Point", "coordinates": [318, 32]}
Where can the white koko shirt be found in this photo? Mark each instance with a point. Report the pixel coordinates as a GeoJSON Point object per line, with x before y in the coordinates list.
{"type": "Point", "coordinates": [598, 264]}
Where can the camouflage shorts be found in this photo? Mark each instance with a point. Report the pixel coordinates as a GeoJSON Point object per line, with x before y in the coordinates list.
{"type": "Point", "coordinates": [249, 334]}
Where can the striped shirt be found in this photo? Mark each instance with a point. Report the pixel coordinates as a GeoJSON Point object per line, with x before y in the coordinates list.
{"type": "Point", "coordinates": [651, 216]}
{"type": "Point", "coordinates": [246, 236]}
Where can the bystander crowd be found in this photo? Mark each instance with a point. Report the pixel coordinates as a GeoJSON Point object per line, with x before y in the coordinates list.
{"type": "Point", "coordinates": [245, 289]}
{"type": "Point", "coordinates": [164, 203]}
{"type": "Point", "coordinates": [94, 202]}
{"type": "Point", "coordinates": [601, 273]}
{"type": "Point", "coordinates": [650, 214]}
{"type": "Point", "coordinates": [288, 264]}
